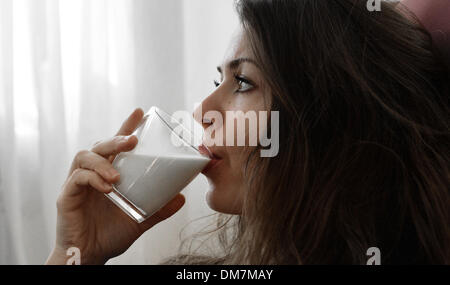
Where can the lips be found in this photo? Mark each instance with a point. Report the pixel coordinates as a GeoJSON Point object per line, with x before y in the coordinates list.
{"type": "Point", "coordinates": [215, 159]}
{"type": "Point", "coordinates": [207, 152]}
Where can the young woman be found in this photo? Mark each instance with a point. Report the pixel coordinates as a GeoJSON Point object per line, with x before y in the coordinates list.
{"type": "Point", "coordinates": [364, 155]}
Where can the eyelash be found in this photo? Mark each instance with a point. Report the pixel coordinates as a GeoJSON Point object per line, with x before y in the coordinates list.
{"type": "Point", "coordinates": [239, 80]}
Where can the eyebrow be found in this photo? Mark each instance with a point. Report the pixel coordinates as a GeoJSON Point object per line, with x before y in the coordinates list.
{"type": "Point", "coordinates": [234, 64]}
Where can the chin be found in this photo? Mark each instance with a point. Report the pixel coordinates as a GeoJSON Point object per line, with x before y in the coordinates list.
{"type": "Point", "coordinates": [226, 202]}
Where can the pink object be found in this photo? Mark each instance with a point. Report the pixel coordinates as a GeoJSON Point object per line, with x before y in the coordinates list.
{"type": "Point", "coordinates": [434, 15]}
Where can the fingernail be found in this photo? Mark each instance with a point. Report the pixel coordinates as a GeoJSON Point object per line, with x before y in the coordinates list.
{"type": "Point", "coordinates": [113, 173]}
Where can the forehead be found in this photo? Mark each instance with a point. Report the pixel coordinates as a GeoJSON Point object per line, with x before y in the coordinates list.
{"type": "Point", "coordinates": [237, 48]}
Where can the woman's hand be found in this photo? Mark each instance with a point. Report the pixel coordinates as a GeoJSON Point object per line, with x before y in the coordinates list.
{"type": "Point", "coordinates": [86, 218]}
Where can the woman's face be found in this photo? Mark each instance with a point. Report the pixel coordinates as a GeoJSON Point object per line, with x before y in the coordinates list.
{"type": "Point", "coordinates": [240, 87]}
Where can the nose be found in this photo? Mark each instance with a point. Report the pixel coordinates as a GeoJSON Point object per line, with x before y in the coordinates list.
{"type": "Point", "coordinates": [199, 113]}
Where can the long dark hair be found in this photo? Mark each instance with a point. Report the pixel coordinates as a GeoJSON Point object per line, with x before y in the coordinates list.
{"type": "Point", "coordinates": [364, 139]}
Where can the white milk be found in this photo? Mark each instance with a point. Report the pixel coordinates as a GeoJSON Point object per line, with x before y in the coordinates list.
{"type": "Point", "coordinates": [149, 182]}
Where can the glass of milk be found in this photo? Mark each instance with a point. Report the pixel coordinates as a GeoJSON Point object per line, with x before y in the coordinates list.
{"type": "Point", "coordinates": [165, 160]}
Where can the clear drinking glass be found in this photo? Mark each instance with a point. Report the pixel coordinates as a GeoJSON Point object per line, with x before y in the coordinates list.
{"type": "Point", "coordinates": [165, 160]}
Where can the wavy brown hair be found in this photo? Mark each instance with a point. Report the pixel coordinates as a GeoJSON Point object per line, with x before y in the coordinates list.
{"type": "Point", "coordinates": [364, 140]}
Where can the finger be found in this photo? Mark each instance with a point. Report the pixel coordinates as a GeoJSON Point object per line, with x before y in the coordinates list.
{"type": "Point", "coordinates": [115, 145]}
{"type": "Point", "coordinates": [129, 126]}
{"type": "Point", "coordinates": [81, 178]}
{"type": "Point", "coordinates": [167, 211]}
{"type": "Point", "coordinates": [131, 123]}
{"type": "Point", "coordinates": [93, 161]}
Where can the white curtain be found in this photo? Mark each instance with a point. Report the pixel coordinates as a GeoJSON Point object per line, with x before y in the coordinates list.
{"type": "Point", "coordinates": [70, 72]}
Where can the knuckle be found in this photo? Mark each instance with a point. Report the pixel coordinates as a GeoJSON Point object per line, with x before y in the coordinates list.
{"type": "Point", "coordinates": [101, 167]}
{"type": "Point", "coordinates": [84, 177]}
{"type": "Point", "coordinates": [59, 203]}
{"type": "Point", "coordinates": [77, 172]}
{"type": "Point", "coordinates": [80, 155]}
{"type": "Point", "coordinates": [97, 143]}
{"type": "Point", "coordinates": [64, 186]}
{"type": "Point", "coordinates": [60, 198]}
{"type": "Point", "coordinates": [117, 141]}
{"type": "Point", "coordinates": [97, 168]}
{"type": "Point", "coordinates": [76, 175]}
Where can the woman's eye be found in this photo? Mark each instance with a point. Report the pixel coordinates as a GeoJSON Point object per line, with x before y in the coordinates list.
{"type": "Point", "coordinates": [244, 85]}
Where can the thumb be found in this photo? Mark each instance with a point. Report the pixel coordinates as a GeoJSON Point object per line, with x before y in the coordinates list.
{"type": "Point", "coordinates": [165, 212]}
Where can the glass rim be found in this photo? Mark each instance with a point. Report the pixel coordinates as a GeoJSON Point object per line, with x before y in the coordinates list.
{"type": "Point", "coordinates": [169, 120]}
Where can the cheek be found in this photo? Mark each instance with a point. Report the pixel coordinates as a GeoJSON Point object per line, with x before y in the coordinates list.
{"type": "Point", "coordinates": [241, 120]}
{"type": "Point", "coordinates": [236, 157]}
